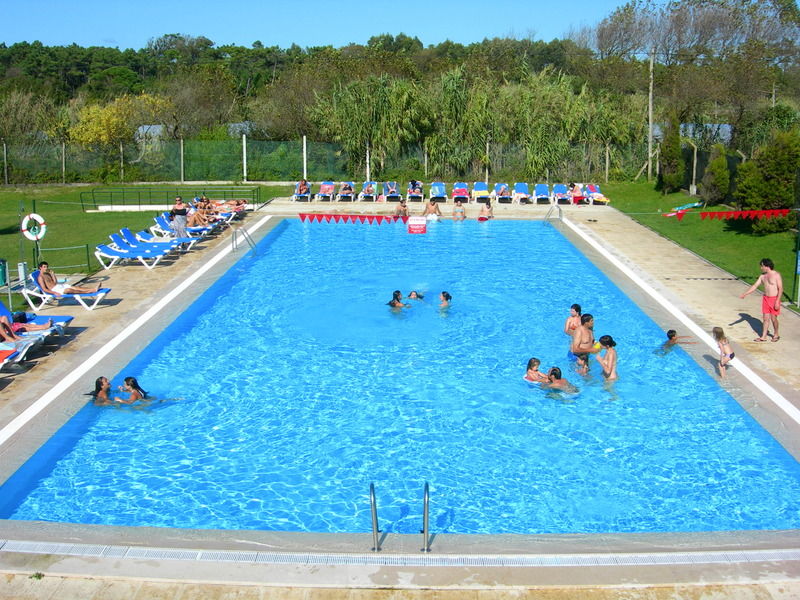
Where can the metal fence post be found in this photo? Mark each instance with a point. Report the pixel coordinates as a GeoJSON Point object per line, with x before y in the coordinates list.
{"type": "Point", "coordinates": [244, 157]}
{"type": "Point", "coordinates": [305, 159]}
{"type": "Point", "coordinates": [182, 180]}
{"type": "Point", "coordinates": [5, 162]}
{"type": "Point", "coordinates": [63, 163]}
{"type": "Point", "coordinates": [121, 164]}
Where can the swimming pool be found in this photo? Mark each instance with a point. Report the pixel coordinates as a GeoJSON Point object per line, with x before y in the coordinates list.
{"type": "Point", "coordinates": [283, 419]}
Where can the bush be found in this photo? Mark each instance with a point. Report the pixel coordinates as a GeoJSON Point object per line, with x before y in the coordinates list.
{"type": "Point", "coordinates": [672, 169]}
{"type": "Point", "coordinates": [716, 182]}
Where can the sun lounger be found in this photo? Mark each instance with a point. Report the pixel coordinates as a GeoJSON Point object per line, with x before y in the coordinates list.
{"type": "Point", "coordinates": [146, 236]}
{"type": "Point", "coordinates": [561, 193]}
{"type": "Point", "coordinates": [346, 196]}
{"type": "Point", "coordinates": [114, 256]}
{"type": "Point", "coordinates": [368, 196]}
{"type": "Point", "coordinates": [34, 294]}
{"type": "Point", "coordinates": [596, 196]}
{"type": "Point", "coordinates": [438, 193]}
{"type": "Point", "coordinates": [522, 195]}
{"type": "Point", "coordinates": [391, 192]}
{"type": "Point", "coordinates": [480, 192]}
{"type": "Point", "coordinates": [163, 226]}
{"type": "Point", "coordinates": [502, 193]}
{"type": "Point", "coordinates": [120, 244]}
{"type": "Point", "coordinates": [460, 191]}
{"type": "Point", "coordinates": [59, 322]}
{"type": "Point", "coordinates": [7, 357]}
{"type": "Point", "coordinates": [18, 351]}
{"type": "Point", "coordinates": [542, 193]}
{"type": "Point", "coordinates": [304, 197]}
{"type": "Point", "coordinates": [416, 191]}
{"type": "Point", "coordinates": [326, 191]}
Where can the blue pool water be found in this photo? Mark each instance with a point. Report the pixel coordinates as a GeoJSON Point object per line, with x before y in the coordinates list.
{"type": "Point", "coordinates": [289, 386]}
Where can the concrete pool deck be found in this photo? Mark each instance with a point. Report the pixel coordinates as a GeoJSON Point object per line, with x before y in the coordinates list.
{"type": "Point", "coordinates": [747, 564]}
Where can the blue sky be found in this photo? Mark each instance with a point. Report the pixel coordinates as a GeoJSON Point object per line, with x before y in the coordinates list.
{"type": "Point", "coordinates": [307, 23]}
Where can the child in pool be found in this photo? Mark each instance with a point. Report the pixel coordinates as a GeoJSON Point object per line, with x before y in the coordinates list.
{"type": "Point", "coordinates": [725, 353]}
{"type": "Point", "coordinates": [533, 374]}
{"type": "Point", "coordinates": [100, 394]}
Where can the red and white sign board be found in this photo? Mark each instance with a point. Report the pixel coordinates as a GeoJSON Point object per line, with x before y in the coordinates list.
{"type": "Point", "coordinates": [417, 225]}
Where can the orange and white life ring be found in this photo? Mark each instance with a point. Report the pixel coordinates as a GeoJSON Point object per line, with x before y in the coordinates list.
{"type": "Point", "coordinates": [34, 230]}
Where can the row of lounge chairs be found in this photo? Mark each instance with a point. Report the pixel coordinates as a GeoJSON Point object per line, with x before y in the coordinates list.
{"type": "Point", "coordinates": [150, 247]}
{"type": "Point", "coordinates": [415, 192]}
{"type": "Point", "coordinates": [14, 353]}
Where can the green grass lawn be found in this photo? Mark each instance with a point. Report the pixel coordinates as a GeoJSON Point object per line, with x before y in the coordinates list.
{"type": "Point", "coordinates": [728, 244]}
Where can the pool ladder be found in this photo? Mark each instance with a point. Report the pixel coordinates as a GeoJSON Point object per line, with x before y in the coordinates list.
{"type": "Point", "coordinates": [553, 207]}
{"type": "Point", "coordinates": [373, 505]}
{"type": "Point", "coordinates": [235, 238]}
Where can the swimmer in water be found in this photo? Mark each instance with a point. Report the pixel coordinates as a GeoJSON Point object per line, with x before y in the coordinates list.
{"type": "Point", "coordinates": [444, 299]}
{"type": "Point", "coordinates": [134, 390]}
{"type": "Point", "coordinates": [556, 382]}
{"type": "Point", "coordinates": [533, 374]}
{"type": "Point", "coordinates": [573, 320]}
{"type": "Point", "coordinates": [608, 360]}
{"type": "Point", "coordinates": [100, 394]}
{"type": "Point", "coordinates": [397, 300]}
{"type": "Point", "coordinates": [415, 295]}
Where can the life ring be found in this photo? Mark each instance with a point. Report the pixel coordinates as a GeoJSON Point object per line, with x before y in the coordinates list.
{"type": "Point", "coordinates": [36, 230]}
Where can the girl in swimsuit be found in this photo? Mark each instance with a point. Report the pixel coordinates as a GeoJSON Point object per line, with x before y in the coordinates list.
{"type": "Point", "coordinates": [445, 300]}
{"type": "Point", "coordinates": [573, 320]}
{"type": "Point", "coordinates": [533, 374]}
{"type": "Point", "coordinates": [725, 354]}
{"type": "Point", "coordinates": [101, 388]}
{"type": "Point", "coordinates": [397, 300]}
{"type": "Point", "coordinates": [609, 360]}
{"type": "Point", "coordinates": [458, 212]}
{"type": "Point", "coordinates": [134, 389]}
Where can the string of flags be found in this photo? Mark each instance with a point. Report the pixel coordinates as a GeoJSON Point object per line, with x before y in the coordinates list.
{"type": "Point", "coordinates": [339, 218]}
{"type": "Point", "coordinates": [734, 214]}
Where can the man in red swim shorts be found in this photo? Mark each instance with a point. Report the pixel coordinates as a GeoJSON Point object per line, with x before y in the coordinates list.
{"type": "Point", "coordinates": [771, 302]}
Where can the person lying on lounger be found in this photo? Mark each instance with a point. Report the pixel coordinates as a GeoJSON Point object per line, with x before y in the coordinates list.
{"type": "Point", "coordinates": [49, 284]}
{"type": "Point", "coordinates": [345, 189]}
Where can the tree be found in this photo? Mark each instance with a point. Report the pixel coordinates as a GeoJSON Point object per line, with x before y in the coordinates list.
{"type": "Point", "coordinates": [116, 122]}
{"type": "Point", "coordinates": [716, 182]}
{"type": "Point", "coordinates": [769, 181]}
{"type": "Point", "coordinates": [671, 173]}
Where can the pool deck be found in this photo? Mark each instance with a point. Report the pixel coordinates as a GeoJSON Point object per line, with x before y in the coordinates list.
{"type": "Point", "coordinates": [733, 565]}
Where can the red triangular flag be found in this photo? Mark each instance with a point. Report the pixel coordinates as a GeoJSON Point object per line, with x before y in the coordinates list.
{"type": "Point", "coordinates": [379, 219]}
{"type": "Point", "coordinates": [337, 217]}
{"type": "Point", "coordinates": [362, 218]}
{"type": "Point", "coordinates": [703, 216]}
{"type": "Point", "coordinates": [405, 219]}
{"type": "Point", "coordinates": [784, 212]}
{"type": "Point", "coordinates": [302, 217]}
{"type": "Point", "coordinates": [680, 214]}
{"type": "Point", "coordinates": [370, 219]}
{"type": "Point", "coordinates": [728, 215]}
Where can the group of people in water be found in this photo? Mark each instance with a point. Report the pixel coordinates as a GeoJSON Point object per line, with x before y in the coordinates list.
{"type": "Point", "coordinates": [580, 328]}
{"type": "Point", "coordinates": [397, 299]}
{"type": "Point", "coordinates": [102, 392]}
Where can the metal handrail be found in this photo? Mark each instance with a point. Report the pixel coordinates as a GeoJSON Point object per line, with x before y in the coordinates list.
{"type": "Point", "coordinates": [245, 235]}
{"type": "Point", "coordinates": [550, 212]}
{"type": "Point", "coordinates": [426, 546]}
{"type": "Point", "coordinates": [373, 506]}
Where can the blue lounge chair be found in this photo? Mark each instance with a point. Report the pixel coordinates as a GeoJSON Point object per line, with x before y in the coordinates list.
{"type": "Point", "coordinates": [460, 191]}
{"type": "Point", "coordinates": [561, 193]}
{"type": "Point", "coordinates": [35, 291]}
{"type": "Point", "coordinates": [542, 192]}
{"type": "Point", "coordinates": [502, 193]}
{"type": "Point", "coordinates": [7, 357]}
{"type": "Point", "coordinates": [59, 322]}
{"type": "Point", "coordinates": [522, 195]}
{"type": "Point", "coordinates": [120, 244]}
{"type": "Point", "coordinates": [113, 255]}
{"type": "Point", "coordinates": [416, 191]}
{"type": "Point", "coordinates": [147, 237]}
{"type": "Point", "coordinates": [304, 197]}
{"type": "Point", "coordinates": [438, 193]}
{"type": "Point", "coordinates": [391, 192]}
{"type": "Point", "coordinates": [480, 192]}
{"type": "Point", "coordinates": [326, 191]}
{"type": "Point", "coordinates": [345, 195]}
{"type": "Point", "coordinates": [366, 196]}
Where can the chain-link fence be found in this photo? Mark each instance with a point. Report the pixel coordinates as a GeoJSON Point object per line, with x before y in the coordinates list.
{"type": "Point", "coordinates": [248, 160]}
